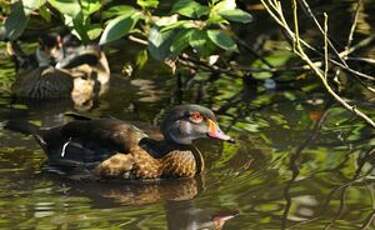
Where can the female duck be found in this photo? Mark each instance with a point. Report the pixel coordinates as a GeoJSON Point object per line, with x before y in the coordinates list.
{"type": "Point", "coordinates": [52, 73]}
{"type": "Point", "coordinates": [110, 148]}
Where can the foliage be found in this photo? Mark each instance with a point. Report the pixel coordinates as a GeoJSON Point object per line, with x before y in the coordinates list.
{"type": "Point", "coordinates": [188, 25]}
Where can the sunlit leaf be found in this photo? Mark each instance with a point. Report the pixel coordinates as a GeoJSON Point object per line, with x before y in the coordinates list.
{"type": "Point", "coordinates": [119, 10]}
{"type": "Point", "coordinates": [190, 8]}
{"type": "Point", "coordinates": [118, 27]}
{"type": "Point", "coordinates": [237, 15]}
{"type": "Point", "coordinates": [32, 5]}
{"type": "Point", "coordinates": [94, 31]}
{"type": "Point", "coordinates": [148, 3]}
{"type": "Point", "coordinates": [16, 22]}
{"type": "Point", "coordinates": [90, 6]}
{"type": "Point", "coordinates": [167, 20]}
{"type": "Point", "coordinates": [225, 5]}
{"type": "Point", "coordinates": [68, 7]}
{"type": "Point", "coordinates": [222, 40]}
{"type": "Point", "coordinates": [45, 13]}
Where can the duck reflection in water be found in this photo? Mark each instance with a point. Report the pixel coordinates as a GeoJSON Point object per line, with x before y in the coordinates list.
{"type": "Point", "coordinates": [177, 195]}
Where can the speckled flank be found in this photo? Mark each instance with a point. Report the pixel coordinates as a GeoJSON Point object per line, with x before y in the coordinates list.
{"type": "Point", "coordinates": [115, 166]}
{"type": "Point", "coordinates": [139, 164]}
{"type": "Point", "coordinates": [179, 164]}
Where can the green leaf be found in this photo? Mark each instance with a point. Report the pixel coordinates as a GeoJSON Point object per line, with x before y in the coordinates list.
{"type": "Point", "coordinates": [90, 6]}
{"type": "Point", "coordinates": [66, 7]}
{"type": "Point", "coordinates": [119, 10]}
{"type": "Point", "coordinates": [94, 31]}
{"type": "Point", "coordinates": [201, 43]}
{"type": "Point", "coordinates": [16, 22]}
{"type": "Point", "coordinates": [237, 15]}
{"type": "Point", "coordinates": [141, 59]}
{"type": "Point", "coordinates": [222, 40]}
{"type": "Point", "coordinates": [181, 41]}
{"type": "Point", "coordinates": [160, 42]}
{"type": "Point", "coordinates": [118, 27]}
{"type": "Point", "coordinates": [166, 21]}
{"type": "Point", "coordinates": [45, 13]}
{"type": "Point", "coordinates": [225, 5]}
{"type": "Point", "coordinates": [148, 3]}
{"type": "Point", "coordinates": [181, 24]}
{"type": "Point", "coordinates": [190, 8]}
{"type": "Point", "coordinates": [31, 5]}
{"type": "Point", "coordinates": [80, 27]}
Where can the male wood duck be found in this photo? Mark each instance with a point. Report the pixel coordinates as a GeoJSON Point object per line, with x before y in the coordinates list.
{"type": "Point", "coordinates": [111, 148]}
{"type": "Point", "coordinates": [81, 74]}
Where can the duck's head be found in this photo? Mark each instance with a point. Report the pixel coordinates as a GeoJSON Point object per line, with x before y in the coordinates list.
{"type": "Point", "coordinates": [186, 123]}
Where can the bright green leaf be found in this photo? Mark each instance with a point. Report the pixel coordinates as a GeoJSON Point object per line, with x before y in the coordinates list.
{"type": "Point", "coordinates": [66, 7]}
{"type": "Point", "coordinates": [45, 13]}
{"type": "Point", "coordinates": [190, 8]}
{"type": "Point", "coordinates": [16, 23]}
{"type": "Point", "coordinates": [186, 24]}
{"type": "Point", "coordinates": [222, 40]}
{"type": "Point", "coordinates": [90, 6]}
{"type": "Point", "coordinates": [94, 31]}
{"type": "Point", "coordinates": [118, 27]}
{"type": "Point", "coordinates": [80, 27]}
{"type": "Point", "coordinates": [237, 15]}
{"type": "Point", "coordinates": [225, 5]}
{"type": "Point", "coordinates": [119, 10]}
{"type": "Point", "coordinates": [167, 20]}
{"type": "Point", "coordinates": [31, 5]}
{"type": "Point", "coordinates": [148, 3]}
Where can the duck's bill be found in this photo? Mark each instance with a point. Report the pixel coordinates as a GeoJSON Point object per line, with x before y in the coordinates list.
{"type": "Point", "coordinates": [215, 132]}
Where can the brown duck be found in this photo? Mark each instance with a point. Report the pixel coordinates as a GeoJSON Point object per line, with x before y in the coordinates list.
{"type": "Point", "coordinates": [80, 73]}
{"type": "Point", "coordinates": [111, 148]}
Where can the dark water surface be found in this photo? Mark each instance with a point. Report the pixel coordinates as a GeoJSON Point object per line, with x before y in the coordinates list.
{"type": "Point", "coordinates": [300, 162]}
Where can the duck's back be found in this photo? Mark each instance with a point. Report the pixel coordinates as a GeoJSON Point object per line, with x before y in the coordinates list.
{"type": "Point", "coordinates": [43, 83]}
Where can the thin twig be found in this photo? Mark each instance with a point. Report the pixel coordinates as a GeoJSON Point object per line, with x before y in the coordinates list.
{"type": "Point", "coordinates": [301, 53]}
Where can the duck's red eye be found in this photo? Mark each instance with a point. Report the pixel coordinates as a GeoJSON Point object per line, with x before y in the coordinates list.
{"type": "Point", "coordinates": [196, 117]}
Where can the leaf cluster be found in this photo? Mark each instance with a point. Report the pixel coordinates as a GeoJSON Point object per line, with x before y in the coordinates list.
{"type": "Point", "coordinates": [186, 25]}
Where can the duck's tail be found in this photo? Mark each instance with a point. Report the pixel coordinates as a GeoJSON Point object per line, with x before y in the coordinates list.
{"type": "Point", "coordinates": [21, 126]}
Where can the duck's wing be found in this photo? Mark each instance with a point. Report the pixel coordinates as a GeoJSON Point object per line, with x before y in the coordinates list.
{"type": "Point", "coordinates": [111, 134]}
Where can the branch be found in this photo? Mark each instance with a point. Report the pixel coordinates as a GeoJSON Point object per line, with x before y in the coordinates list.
{"type": "Point", "coordinates": [278, 15]}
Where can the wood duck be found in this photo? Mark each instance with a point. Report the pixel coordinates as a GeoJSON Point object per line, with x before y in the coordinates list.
{"type": "Point", "coordinates": [80, 74]}
{"type": "Point", "coordinates": [111, 148]}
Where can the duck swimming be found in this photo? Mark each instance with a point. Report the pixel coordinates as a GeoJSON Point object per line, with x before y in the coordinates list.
{"type": "Point", "coordinates": [111, 148]}
{"type": "Point", "coordinates": [59, 70]}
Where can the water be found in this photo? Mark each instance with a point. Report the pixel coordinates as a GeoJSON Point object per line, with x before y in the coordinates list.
{"type": "Point", "coordinates": [300, 162]}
